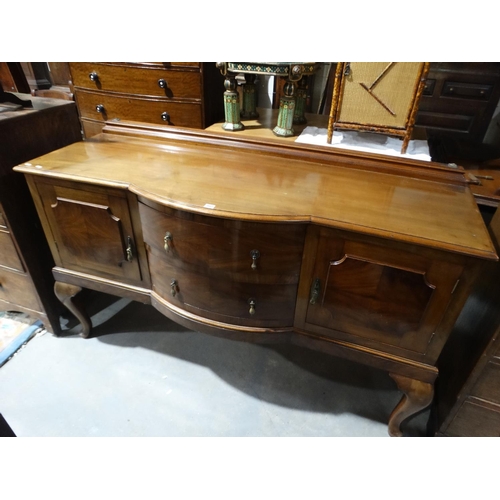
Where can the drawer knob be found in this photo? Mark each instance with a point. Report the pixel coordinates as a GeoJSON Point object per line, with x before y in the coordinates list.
{"type": "Point", "coordinates": [173, 288]}
{"type": "Point", "coordinates": [165, 116]}
{"type": "Point", "coordinates": [162, 83]}
{"type": "Point", "coordinates": [94, 76]}
{"type": "Point", "coordinates": [251, 303]}
{"type": "Point", "coordinates": [167, 239]}
{"type": "Point", "coordinates": [315, 290]}
{"type": "Point", "coordinates": [99, 108]}
{"type": "Point", "coordinates": [255, 254]}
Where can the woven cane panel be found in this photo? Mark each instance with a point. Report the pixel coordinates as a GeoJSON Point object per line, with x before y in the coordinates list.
{"type": "Point", "coordinates": [396, 89]}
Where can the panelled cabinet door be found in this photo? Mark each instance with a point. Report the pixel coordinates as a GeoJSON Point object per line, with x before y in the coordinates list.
{"type": "Point", "coordinates": [92, 231]}
{"type": "Point", "coordinates": [379, 296]}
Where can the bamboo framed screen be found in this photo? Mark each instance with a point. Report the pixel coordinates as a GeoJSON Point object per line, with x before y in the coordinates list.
{"type": "Point", "coordinates": [378, 97]}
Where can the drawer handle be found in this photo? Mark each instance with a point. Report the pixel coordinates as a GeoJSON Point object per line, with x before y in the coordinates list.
{"type": "Point", "coordinates": [99, 108]}
{"type": "Point", "coordinates": [94, 76]}
{"type": "Point", "coordinates": [165, 116]}
{"type": "Point", "coordinates": [130, 252]}
{"type": "Point", "coordinates": [251, 303]}
{"type": "Point", "coordinates": [162, 83]}
{"type": "Point", "coordinates": [173, 288]}
{"type": "Point", "coordinates": [315, 291]}
{"type": "Point", "coordinates": [255, 254]}
{"type": "Point", "coordinates": [166, 240]}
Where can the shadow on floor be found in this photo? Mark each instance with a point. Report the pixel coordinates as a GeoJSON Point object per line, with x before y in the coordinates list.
{"type": "Point", "coordinates": [282, 374]}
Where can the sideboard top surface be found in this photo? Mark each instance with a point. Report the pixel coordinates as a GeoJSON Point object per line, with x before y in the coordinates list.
{"type": "Point", "coordinates": [251, 184]}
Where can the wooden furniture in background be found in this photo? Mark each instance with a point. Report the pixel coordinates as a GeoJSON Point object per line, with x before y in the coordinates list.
{"type": "Point", "coordinates": [258, 240]}
{"type": "Point", "coordinates": [459, 100]}
{"type": "Point", "coordinates": [185, 94]}
{"type": "Point", "coordinates": [12, 78]}
{"type": "Point", "coordinates": [377, 97]}
{"type": "Point", "coordinates": [468, 389]}
{"type": "Point", "coordinates": [26, 282]}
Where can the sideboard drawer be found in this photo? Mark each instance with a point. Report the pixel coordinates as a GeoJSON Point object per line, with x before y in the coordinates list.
{"type": "Point", "coordinates": [241, 251]}
{"type": "Point", "coordinates": [138, 80]}
{"type": "Point", "coordinates": [8, 253]}
{"type": "Point", "coordinates": [212, 296]}
{"type": "Point", "coordinates": [104, 107]}
{"type": "Point", "coordinates": [18, 289]}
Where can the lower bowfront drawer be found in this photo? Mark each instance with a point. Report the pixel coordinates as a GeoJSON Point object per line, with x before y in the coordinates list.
{"type": "Point", "coordinates": [220, 299]}
{"type": "Point", "coordinates": [104, 107]}
{"type": "Point", "coordinates": [17, 289]}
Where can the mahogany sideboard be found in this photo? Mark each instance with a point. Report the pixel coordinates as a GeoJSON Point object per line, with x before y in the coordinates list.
{"type": "Point", "coordinates": [364, 256]}
{"type": "Point", "coordinates": [26, 282]}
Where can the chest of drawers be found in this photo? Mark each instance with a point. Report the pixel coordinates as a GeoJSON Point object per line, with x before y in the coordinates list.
{"type": "Point", "coordinates": [468, 390]}
{"type": "Point", "coordinates": [258, 241]}
{"type": "Point", "coordinates": [180, 94]}
{"type": "Point", "coordinates": [26, 283]}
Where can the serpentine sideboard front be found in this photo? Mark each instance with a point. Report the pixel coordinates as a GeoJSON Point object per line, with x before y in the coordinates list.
{"type": "Point", "coordinates": [361, 256]}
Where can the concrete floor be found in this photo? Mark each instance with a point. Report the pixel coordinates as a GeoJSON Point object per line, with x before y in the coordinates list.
{"type": "Point", "coordinates": [143, 375]}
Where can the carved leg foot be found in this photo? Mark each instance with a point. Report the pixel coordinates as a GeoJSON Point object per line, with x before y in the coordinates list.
{"type": "Point", "coordinates": [417, 396]}
{"type": "Point", "coordinates": [65, 293]}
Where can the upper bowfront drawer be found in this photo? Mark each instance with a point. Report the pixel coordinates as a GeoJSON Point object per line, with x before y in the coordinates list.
{"type": "Point", "coordinates": [154, 82]}
{"type": "Point", "coordinates": [242, 251]}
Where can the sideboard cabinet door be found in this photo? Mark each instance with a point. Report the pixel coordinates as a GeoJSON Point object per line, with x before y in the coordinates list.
{"type": "Point", "coordinates": [91, 229]}
{"type": "Point", "coordinates": [357, 289]}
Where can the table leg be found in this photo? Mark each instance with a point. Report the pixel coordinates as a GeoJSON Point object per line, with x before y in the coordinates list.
{"type": "Point", "coordinates": [417, 396]}
{"type": "Point", "coordinates": [66, 294]}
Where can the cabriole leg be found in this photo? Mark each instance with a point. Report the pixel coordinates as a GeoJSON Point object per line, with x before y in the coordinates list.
{"type": "Point", "coordinates": [66, 293]}
{"type": "Point", "coordinates": [417, 396]}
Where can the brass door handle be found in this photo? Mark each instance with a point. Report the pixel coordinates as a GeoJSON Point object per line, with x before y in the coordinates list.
{"type": "Point", "coordinates": [251, 303]}
{"type": "Point", "coordinates": [173, 288]}
{"type": "Point", "coordinates": [167, 240]}
{"type": "Point", "coordinates": [255, 254]}
{"type": "Point", "coordinates": [315, 291]}
{"type": "Point", "coordinates": [130, 250]}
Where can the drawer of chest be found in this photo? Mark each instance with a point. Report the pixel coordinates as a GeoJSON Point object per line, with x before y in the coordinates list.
{"type": "Point", "coordinates": [17, 289]}
{"type": "Point", "coordinates": [3, 220]}
{"type": "Point", "coordinates": [221, 299]}
{"type": "Point", "coordinates": [475, 420]}
{"type": "Point", "coordinates": [240, 251]}
{"type": "Point", "coordinates": [104, 107]}
{"type": "Point", "coordinates": [487, 386]}
{"type": "Point", "coordinates": [137, 80]}
{"type": "Point", "coordinates": [8, 253]}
